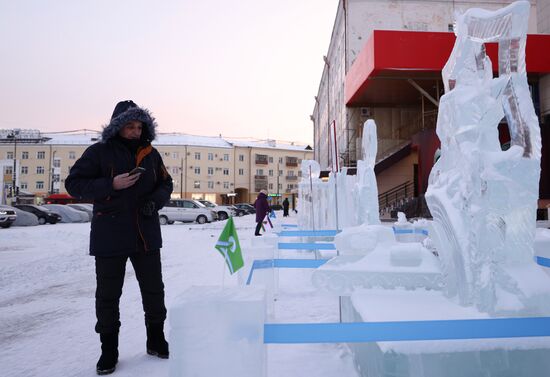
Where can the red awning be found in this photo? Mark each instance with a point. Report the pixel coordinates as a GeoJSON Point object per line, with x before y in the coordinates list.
{"type": "Point", "coordinates": [379, 75]}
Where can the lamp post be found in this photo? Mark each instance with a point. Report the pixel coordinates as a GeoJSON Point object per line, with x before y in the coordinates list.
{"type": "Point", "coordinates": [13, 135]}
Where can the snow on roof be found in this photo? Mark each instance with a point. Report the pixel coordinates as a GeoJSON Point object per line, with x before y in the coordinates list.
{"type": "Point", "coordinates": [268, 144]}
{"type": "Point", "coordinates": [88, 137]}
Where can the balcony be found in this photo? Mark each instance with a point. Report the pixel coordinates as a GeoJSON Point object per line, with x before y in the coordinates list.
{"type": "Point", "coordinates": [291, 177]}
{"type": "Point", "coordinates": [291, 161]}
{"type": "Point", "coordinates": [261, 159]}
{"type": "Point", "coordinates": [260, 177]}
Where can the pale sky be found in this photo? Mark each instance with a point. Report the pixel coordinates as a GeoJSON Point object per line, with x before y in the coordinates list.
{"type": "Point", "coordinates": [242, 68]}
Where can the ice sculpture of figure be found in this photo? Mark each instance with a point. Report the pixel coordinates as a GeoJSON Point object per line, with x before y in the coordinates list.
{"type": "Point", "coordinates": [367, 189]}
{"type": "Point", "coordinates": [483, 199]}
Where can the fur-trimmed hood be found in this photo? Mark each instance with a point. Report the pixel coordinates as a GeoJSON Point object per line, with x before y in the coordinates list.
{"type": "Point", "coordinates": [133, 113]}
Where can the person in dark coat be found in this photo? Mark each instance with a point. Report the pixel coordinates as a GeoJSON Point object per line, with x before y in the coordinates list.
{"type": "Point", "coordinates": [125, 223]}
{"type": "Point", "coordinates": [285, 207]}
{"type": "Point", "coordinates": [262, 210]}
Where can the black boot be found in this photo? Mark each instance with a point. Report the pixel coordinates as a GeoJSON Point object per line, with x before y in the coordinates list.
{"type": "Point", "coordinates": [109, 354]}
{"type": "Point", "coordinates": [156, 344]}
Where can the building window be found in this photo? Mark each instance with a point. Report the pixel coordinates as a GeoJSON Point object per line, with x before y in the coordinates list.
{"type": "Point", "coordinates": [175, 170]}
{"type": "Point", "coordinates": [225, 171]}
{"type": "Point", "coordinates": [291, 173]}
{"type": "Point", "coordinates": [197, 184]}
{"type": "Point", "coordinates": [210, 184]}
{"type": "Point", "coordinates": [226, 157]}
{"type": "Point", "coordinates": [289, 186]}
{"type": "Point", "coordinates": [8, 170]}
{"type": "Point", "coordinates": [210, 170]}
{"type": "Point", "coordinates": [40, 170]}
{"type": "Point", "coordinates": [280, 160]}
{"type": "Point", "coordinates": [41, 155]}
{"type": "Point", "coordinates": [72, 155]}
{"type": "Point", "coordinates": [39, 185]}
{"type": "Point", "coordinates": [24, 155]}
{"type": "Point", "coordinates": [210, 156]}
{"type": "Point", "coordinates": [271, 173]}
{"type": "Point", "coordinates": [9, 155]}
{"type": "Point", "coordinates": [241, 157]}
{"type": "Point", "coordinates": [175, 155]}
{"type": "Point", "coordinates": [261, 159]}
{"type": "Point", "coordinates": [23, 185]}
{"type": "Point", "coordinates": [280, 186]}
{"type": "Point", "coordinates": [197, 170]}
{"type": "Point", "coordinates": [56, 163]}
{"type": "Point", "coordinates": [259, 171]}
{"type": "Point", "coordinates": [271, 186]}
{"type": "Point", "coordinates": [226, 185]}
{"type": "Point", "coordinates": [241, 171]}
{"type": "Point", "coordinates": [270, 159]}
{"type": "Point", "coordinates": [197, 155]}
{"type": "Point", "coordinates": [281, 173]}
{"type": "Point", "coordinates": [24, 170]}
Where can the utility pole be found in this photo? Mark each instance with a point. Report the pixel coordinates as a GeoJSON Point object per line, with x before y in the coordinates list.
{"type": "Point", "coordinates": [181, 179]}
{"type": "Point", "coordinates": [14, 135]}
{"type": "Point", "coordinates": [278, 182]}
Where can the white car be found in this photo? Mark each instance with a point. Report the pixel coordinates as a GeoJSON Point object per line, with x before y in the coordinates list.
{"type": "Point", "coordinates": [185, 210]}
{"type": "Point", "coordinates": [223, 212]}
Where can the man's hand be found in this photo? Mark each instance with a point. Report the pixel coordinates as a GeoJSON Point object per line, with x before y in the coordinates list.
{"type": "Point", "coordinates": [125, 180]}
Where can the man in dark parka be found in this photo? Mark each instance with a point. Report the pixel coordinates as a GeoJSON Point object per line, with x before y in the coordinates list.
{"type": "Point", "coordinates": [125, 223]}
{"type": "Point", "coordinates": [285, 207]}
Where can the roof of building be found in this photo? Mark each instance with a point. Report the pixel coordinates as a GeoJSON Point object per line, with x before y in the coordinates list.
{"type": "Point", "coordinates": [88, 137]}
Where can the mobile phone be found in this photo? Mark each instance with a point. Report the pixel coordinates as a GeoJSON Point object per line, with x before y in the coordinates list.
{"type": "Point", "coordinates": [139, 169]}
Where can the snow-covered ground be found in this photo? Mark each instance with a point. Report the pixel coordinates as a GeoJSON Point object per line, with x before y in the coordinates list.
{"type": "Point", "coordinates": [47, 285]}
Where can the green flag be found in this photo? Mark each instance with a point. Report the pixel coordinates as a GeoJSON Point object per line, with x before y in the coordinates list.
{"type": "Point", "coordinates": [228, 246]}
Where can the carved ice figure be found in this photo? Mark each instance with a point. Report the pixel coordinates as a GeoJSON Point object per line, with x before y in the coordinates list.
{"type": "Point", "coordinates": [367, 189]}
{"type": "Point", "coordinates": [353, 199]}
{"type": "Point", "coordinates": [483, 199]}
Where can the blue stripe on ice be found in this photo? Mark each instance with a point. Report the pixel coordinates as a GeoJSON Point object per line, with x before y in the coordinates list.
{"type": "Point", "coordinates": [309, 233]}
{"type": "Point", "coordinates": [410, 231]}
{"type": "Point", "coordinates": [406, 331]}
{"type": "Point", "coordinates": [289, 226]}
{"type": "Point", "coordinates": [284, 263]}
{"type": "Point", "coordinates": [545, 262]}
{"type": "Point", "coordinates": [306, 246]}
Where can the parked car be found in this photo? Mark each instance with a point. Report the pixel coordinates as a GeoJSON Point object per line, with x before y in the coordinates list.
{"type": "Point", "coordinates": [68, 214]}
{"type": "Point", "coordinates": [185, 210]}
{"type": "Point", "coordinates": [84, 207]}
{"type": "Point", "coordinates": [7, 217]}
{"type": "Point", "coordinates": [44, 214]}
{"type": "Point", "coordinates": [248, 208]}
{"type": "Point", "coordinates": [24, 218]}
{"type": "Point", "coordinates": [223, 212]}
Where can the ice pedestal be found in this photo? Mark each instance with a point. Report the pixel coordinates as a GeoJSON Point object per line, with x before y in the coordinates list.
{"type": "Point", "coordinates": [261, 248]}
{"type": "Point", "coordinates": [218, 332]}
{"type": "Point", "coordinates": [508, 357]}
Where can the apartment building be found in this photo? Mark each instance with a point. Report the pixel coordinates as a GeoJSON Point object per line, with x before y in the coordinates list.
{"type": "Point", "coordinates": [202, 167]}
{"type": "Point", "coordinates": [384, 62]}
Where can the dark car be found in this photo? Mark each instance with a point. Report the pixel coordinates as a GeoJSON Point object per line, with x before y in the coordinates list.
{"type": "Point", "coordinates": [7, 217]}
{"type": "Point", "coordinates": [44, 215]}
{"type": "Point", "coordinates": [246, 207]}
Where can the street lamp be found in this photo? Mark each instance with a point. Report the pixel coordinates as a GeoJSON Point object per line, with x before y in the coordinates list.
{"type": "Point", "coordinates": [13, 135]}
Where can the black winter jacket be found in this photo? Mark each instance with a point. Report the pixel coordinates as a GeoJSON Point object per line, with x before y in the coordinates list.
{"type": "Point", "coordinates": [118, 227]}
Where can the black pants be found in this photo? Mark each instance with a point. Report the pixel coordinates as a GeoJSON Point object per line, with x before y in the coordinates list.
{"type": "Point", "coordinates": [110, 279]}
{"type": "Point", "coordinates": [258, 227]}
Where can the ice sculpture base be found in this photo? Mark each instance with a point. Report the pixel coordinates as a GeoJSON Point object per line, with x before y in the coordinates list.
{"type": "Point", "coordinates": [218, 332]}
{"type": "Point", "coordinates": [345, 274]}
{"type": "Point", "coordinates": [518, 357]}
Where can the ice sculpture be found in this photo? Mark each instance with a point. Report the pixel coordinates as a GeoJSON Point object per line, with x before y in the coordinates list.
{"type": "Point", "coordinates": [483, 199]}
{"type": "Point", "coordinates": [357, 195]}
{"type": "Point", "coordinates": [367, 189]}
